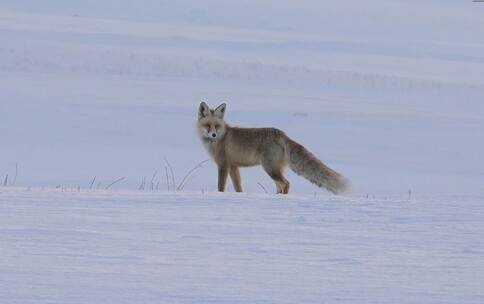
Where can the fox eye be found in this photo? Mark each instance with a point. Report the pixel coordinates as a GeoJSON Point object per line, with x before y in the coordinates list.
{"type": "Point", "coordinates": [217, 126]}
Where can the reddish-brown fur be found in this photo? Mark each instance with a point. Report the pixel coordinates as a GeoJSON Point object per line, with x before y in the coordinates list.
{"type": "Point", "coordinates": [232, 147]}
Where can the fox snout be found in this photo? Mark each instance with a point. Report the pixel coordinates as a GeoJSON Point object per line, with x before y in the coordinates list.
{"type": "Point", "coordinates": [213, 135]}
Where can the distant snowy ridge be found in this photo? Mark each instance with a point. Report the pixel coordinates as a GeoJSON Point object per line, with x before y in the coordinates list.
{"type": "Point", "coordinates": [56, 58]}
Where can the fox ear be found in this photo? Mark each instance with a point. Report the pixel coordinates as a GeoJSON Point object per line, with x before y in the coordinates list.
{"type": "Point", "coordinates": [203, 110]}
{"type": "Point", "coordinates": [220, 111]}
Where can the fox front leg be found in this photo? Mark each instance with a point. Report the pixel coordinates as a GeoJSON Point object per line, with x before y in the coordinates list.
{"type": "Point", "coordinates": [223, 173]}
{"type": "Point", "coordinates": [235, 176]}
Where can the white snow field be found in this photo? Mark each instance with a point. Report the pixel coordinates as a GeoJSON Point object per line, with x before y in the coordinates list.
{"type": "Point", "coordinates": [390, 93]}
{"type": "Point", "coordinates": [387, 92]}
{"type": "Point", "coordinates": [70, 247]}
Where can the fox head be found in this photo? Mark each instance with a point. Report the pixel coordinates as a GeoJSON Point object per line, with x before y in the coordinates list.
{"type": "Point", "coordinates": [211, 124]}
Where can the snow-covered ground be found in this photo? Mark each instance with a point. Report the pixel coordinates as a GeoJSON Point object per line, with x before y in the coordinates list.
{"type": "Point", "coordinates": [388, 92]}
{"type": "Point", "coordinates": [131, 247]}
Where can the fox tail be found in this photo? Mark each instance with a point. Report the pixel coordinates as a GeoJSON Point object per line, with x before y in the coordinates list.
{"type": "Point", "coordinates": [305, 164]}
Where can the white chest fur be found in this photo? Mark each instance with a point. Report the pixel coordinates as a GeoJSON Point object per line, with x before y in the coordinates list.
{"type": "Point", "coordinates": [209, 145]}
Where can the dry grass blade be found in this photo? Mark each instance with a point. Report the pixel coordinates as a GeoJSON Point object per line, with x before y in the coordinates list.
{"type": "Point", "coordinates": [189, 173]}
{"type": "Point", "coordinates": [116, 181]}
{"type": "Point", "coordinates": [92, 183]}
{"type": "Point", "coordinates": [172, 173]}
{"type": "Point", "coordinates": [262, 186]}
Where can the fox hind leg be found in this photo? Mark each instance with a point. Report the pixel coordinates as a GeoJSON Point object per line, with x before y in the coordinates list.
{"type": "Point", "coordinates": [283, 185]}
{"type": "Point", "coordinates": [277, 175]}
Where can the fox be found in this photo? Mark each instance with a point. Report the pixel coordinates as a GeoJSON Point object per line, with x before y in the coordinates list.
{"type": "Point", "coordinates": [234, 147]}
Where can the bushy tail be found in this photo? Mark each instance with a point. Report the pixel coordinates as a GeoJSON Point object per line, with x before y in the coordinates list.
{"type": "Point", "coordinates": [304, 163]}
